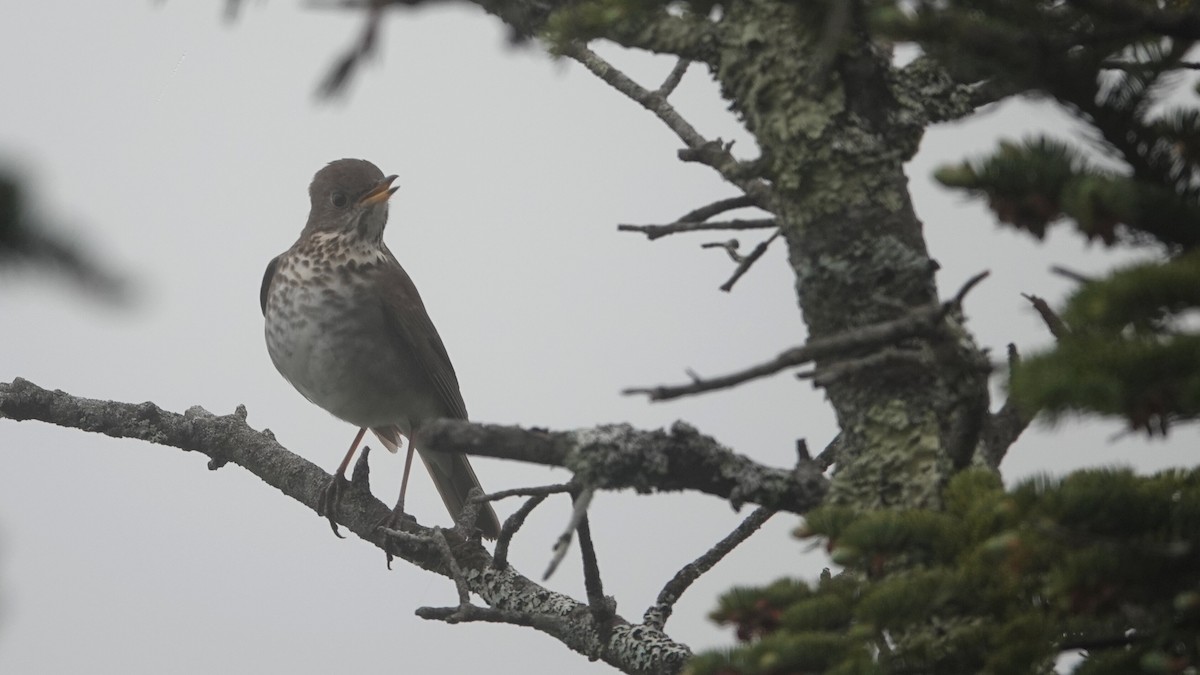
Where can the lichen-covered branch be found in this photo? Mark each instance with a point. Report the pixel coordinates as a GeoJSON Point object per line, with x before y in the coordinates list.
{"type": "Point", "coordinates": [618, 456]}
{"type": "Point", "coordinates": [228, 439]}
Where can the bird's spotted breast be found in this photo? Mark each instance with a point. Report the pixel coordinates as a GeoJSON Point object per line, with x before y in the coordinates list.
{"type": "Point", "coordinates": [315, 328]}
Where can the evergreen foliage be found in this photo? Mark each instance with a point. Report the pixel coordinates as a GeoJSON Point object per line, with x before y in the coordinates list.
{"type": "Point", "coordinates": [1102, 561]}
{"type": "Point", "coordinates": [1131, 351]}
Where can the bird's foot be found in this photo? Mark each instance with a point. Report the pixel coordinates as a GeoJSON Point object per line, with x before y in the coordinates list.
{"type": "Point", "coordinates": [394, 520]}
{"type": "Point", "coordinates": [331, 498]}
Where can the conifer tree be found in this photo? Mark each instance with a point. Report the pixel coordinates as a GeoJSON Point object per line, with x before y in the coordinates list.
{"type": "Point", "coordinates": [1103, 562]}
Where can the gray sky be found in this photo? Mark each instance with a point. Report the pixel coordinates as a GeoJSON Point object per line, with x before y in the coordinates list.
{"type": "Point", "coordinates": [180, 148]}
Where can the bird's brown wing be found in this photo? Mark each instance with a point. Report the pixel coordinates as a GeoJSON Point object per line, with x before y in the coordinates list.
{"type": "Point", "coordinates": [266, 284]}
{"type": "Point", "coordinates": [405, 315]}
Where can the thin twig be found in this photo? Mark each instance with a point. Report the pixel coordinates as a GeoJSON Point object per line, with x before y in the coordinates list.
{"type": "Point", "coordinates": [658, 613]}
{"type": "Point", "coordinates": [1003, 427]}
{"type": "Point", "coordinates": [876, 362]}
{"type": "Point", "coordinates": [510, 527]}
{"type": "Point", "coordinates": [591, 569]}
{"type": "Point", "coordinates": [460, 582]}
{"type": "Point", "coordinates": [473, 613]}
{"type": "Point", "coordinates": [1071, 274]}
{"type": "Point", "coordinates": [1057, 328]}
{"type": "Point", "coordinates": [603, 609]}
{"type": "Point", "coordinates": [673, 78]}
{"type": "Point", "coordinates": [730, 247]}
{"type": "Point", "coordinates": [919, 321]}
{"type": "Point", "coordinates": [711, 153]}
{"type": "Point", "coordinates": [748, 261]}
{"type": "Point", "coordinates": [564, 540]}
{"type": "Point", "coordinates": [644, 97]}
{"type": "Point", "coordinates": [717, 208]}
{"type": "Point", "coordinates": [653, 232]}
{"type": "Point", "coordinates": [538, 491]}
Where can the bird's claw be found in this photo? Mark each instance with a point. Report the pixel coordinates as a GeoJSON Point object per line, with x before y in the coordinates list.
{"type": "Point", "coordinates": [394, 520]}
{"type": "Point", "coordinates": [331, 498]}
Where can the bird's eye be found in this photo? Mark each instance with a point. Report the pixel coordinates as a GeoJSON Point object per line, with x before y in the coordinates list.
{"type": "Point", "coordinates": [338, 199]}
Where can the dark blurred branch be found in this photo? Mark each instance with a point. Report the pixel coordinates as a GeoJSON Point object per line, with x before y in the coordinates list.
{"type": "Point", "coordinates": [24, 241]}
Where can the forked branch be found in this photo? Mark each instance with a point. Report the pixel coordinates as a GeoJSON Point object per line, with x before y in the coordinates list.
{"type": "Point", "coordinates": [852, 343]}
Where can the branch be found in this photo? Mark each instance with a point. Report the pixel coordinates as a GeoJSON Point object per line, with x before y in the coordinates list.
{"type": "Point", "coordinates": [617, 456]}
{"type": "Point", "coordinates": [653, 232]}
{"type": "Point", "coordinates": [578, 515]}
{"type": "Point", "coordinates": [877, 362]}
{"type": "Point", "coordinates": [711, 153]}
{"type": "Point", "coordinates": [1002, 428]}
{"type": "Point", "coordinates": [228, 439]}
{"type": "Point", "coordinates": [748, 261]}
{"type": "Point", "coordinates": [510, 527]}
{"type": "Point", "coordinates": [658, 613]}
{"type": "Point", "coordinates": [717, 208]}
{"type": "Point", "coordinates": [919, 321]}
{"type": "Point", "coordinates": [673, 78]}
{"type": "Point", "coordinates": [1053, 322]}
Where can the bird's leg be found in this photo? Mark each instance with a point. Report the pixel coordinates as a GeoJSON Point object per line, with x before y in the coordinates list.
{"type": "Point", "coordinates": [397, 516]}
{"type": "Point", "coordinates": [399, 509]}
{"type": "Point", "coordinates": [331, 496]}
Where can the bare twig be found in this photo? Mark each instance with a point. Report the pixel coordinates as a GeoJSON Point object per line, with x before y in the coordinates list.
{"type": "Point", "coordinates": [673, 78]}
{"type": "Point", "coordinates": [1057, 328]}
{"type": "Point", "coordinates": [829, 455]}
{"type": "Point", "coordinates": [1002, 428]}
{"type": "Point", "coordinates": [603, 609]}
{"type": "Point", "coordinates": [717, 208]}
{"type": "Point", "coordinates": [919, 321]}
{"type": "Point", "coordinates": [475, 613]}
{"type": "Point", "coordinates": [883, 359]}
{"type": "Point", "coordinates": [456, 573]}
{"type": "Point", "coordinates": [745, 264]}
{"type": "Point", "coordinates": [539, 491]}
{"type": "Point", "coordinates": [1071, 274]}
{"type": "Point", "coordinates": [658, 613]}
{"type": "Point", "coordinates": [731, 248]}
{"type": "Point", "coordinates": [653, 232]}
{"type": "Point", "coordinates": [564, 540]}
{"type": "Point", "coordinates": [599, 605]}
{"type": "Point", "coordinates": [647, 99]}
{"type": "Point", "coordinates": [510, 527]}
{"type": "Point", "coordinates": [711, 153]}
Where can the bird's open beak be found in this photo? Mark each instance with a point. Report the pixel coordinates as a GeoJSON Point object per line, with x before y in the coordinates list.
{"type": "Point", "coordinates": [380, 193]}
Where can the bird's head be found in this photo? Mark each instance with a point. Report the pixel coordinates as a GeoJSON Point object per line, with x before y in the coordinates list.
{"type": "Point", "coordinates": [350, 196]}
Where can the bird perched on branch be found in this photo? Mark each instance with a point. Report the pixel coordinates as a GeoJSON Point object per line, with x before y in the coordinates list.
{"type": "Point", "coordinates": [346, 326]}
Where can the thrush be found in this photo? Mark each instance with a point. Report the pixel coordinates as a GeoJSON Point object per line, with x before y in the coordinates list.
{"type": "Point", "coordinates": [346, 326]}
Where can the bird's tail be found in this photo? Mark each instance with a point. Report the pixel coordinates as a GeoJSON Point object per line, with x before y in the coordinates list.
{"type": "Point", "coordinates": [452, 476]}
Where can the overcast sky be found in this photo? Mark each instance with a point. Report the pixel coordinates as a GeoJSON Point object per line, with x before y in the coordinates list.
{"type": "Point", "coordinates": [179, 148]}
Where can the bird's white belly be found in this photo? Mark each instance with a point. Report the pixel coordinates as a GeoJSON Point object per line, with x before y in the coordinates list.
{"type": "Point", "coordinates": [320, 348]}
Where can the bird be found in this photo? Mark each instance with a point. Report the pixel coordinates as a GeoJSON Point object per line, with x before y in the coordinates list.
{"type": "Point", "coordinates": [345, 325]}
